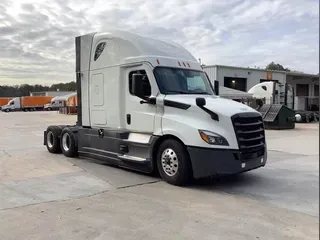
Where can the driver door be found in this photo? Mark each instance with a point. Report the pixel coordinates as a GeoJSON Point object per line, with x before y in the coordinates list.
{"type": "Point", "coordinates": [140, 117]}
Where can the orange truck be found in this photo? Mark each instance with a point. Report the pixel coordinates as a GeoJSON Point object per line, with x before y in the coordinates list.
{"type": "Point", "coordinates": [27, 103]}
{"type": "Point", "coordinates": [4, 101]}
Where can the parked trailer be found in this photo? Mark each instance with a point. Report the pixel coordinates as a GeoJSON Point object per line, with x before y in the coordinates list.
{"type": "Point", "coordinates": [27, 103]}
{"type": "Point", "coordinates": [147, 105]}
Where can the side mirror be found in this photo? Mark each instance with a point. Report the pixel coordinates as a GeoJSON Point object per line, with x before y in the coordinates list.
{"type": "Point", "coordinates": [200, 102]}
{"type": "Point", "coordinates": [137, 85]}
{"type": "Point", "coordinates": [216, 87]}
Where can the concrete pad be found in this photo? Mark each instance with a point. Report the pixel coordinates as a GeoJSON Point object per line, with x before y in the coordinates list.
{"type": "Point", "coordinates": [304, 139]}
{"type": "Point", "coordinates": [279, 201]}
{"type": "Point", "coordinates": [157, 211]}
{"type": "Point", "coordinates": [288, 183]}
{"type": "Point", "coordinates": [28, 163]}
{"type": "Point", "coordinates": [300, 163]}
{"type": "Point", "coordinates": [117, 177]}
{"type": "Point", "coordinates": [52, 188]}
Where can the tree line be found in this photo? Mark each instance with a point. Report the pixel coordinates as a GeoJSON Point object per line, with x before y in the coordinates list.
{"type": "Point", "coordinates": [26, 89]}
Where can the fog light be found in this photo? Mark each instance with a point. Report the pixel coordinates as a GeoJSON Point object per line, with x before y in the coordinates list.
{"type": "Point", "coordinates": [243, 165]}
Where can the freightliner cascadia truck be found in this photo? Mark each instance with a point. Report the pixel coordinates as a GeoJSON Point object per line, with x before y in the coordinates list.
{"type": "Point", "coordinates": [147, 105]}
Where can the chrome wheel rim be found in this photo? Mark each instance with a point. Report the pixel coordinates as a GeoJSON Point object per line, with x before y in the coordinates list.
{"type": "Point", "coordinates": [50, 139]}
{"type": "Point", "coordinates": [66, 142]}
{"type": "Point", "coordinates": [169, 162]}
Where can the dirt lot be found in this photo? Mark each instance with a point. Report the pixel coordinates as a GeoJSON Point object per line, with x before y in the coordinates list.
{"type": "Point", "coordinates": [46, 196]}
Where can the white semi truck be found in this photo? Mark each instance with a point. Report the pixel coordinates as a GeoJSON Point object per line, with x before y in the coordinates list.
{"type": "Point", "coordinates": [274, 93]}
{"type": "Point", "coordinates": [147, 105]}
{"type": "Point", "coordinates": [279, 93]}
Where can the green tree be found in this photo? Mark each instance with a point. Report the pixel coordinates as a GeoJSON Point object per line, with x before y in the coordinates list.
{"type": "Point", "coordinates": [25, 89]}
{"type": "Point", "coordinates": [276, 66]}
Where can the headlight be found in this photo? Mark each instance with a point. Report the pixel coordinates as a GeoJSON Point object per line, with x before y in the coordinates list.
{"type": "Point", "coordinates": [213, 138]}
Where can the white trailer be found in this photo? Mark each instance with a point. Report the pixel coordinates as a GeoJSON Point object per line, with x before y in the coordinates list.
{"type": "Point", "coordinates": [147, 105]}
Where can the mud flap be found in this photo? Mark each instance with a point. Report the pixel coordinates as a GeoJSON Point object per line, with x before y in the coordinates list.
{"type": "Point", "coordinates": [45, 138]}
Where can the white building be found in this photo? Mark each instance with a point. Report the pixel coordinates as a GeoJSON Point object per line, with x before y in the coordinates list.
{"type": "Point", "coordinates": [242, 78]}
{"type": "Point", "coordinates": [51, 93]}
{"type": "Point", "coordinates": [306, 86]}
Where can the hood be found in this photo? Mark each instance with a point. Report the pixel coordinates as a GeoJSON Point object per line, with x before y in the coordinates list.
{"type": "Point", "coordinates": [216, 104]}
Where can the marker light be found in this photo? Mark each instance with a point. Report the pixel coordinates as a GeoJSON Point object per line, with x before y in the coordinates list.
{"type": "Point", "coordinates": [158, 61]}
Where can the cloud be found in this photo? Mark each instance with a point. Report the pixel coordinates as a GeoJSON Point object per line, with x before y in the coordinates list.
{"type": "Point", "coordinates": [37, 37]}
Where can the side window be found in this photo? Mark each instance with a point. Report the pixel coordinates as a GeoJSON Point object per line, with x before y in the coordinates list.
{"type": "Point", "coordinates": [146, 83]}
{"type": "Point", "coordinates": [196, 83]}
{"type": "Point", "coordinates": [99, 50]}
{"type": "Point", "coordinates": [264, 88]}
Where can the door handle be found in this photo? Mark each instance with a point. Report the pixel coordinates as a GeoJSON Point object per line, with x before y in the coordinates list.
{"type": "Point", "coordinates": [129, 119]}
{"type": "Point", "coordinates": [101, 133]}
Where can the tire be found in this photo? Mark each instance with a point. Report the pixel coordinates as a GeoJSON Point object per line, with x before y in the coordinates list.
{"type": "Point", "coordinates": [68, 143]}
{"type": "Point", "coordinates": [179, 171]}
{"type": "Point", "coordinates": [7, 110]}
{"type": "Point", "coordinates": [53, 139]}
{"type": "Point", "coordinates": [307, 119]}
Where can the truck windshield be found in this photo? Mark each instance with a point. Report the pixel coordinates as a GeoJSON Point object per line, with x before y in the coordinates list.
{"type": "Point", "coordinates": [182, 81]}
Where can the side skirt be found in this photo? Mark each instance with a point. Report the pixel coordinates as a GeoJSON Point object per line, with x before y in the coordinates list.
{"type": "Point", "coordinates": [113, 147]}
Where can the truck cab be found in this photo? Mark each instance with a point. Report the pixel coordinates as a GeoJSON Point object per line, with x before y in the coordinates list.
{"type": "Point", "coordinates": [13, 105]}
{"type": "Point", "coordinates": [274, 93]}
{"type": "Point", "coordinates": [147, 105]}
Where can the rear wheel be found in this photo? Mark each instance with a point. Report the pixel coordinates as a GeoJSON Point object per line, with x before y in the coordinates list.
{"type": "Point", "coordinates": [68, 143]}
{"type": "Point", "coordinates": [53, 139]}
{"type": "Point", "coordinates": [307, 118]}
{"type": "Point", "coordinates": [173, 163]}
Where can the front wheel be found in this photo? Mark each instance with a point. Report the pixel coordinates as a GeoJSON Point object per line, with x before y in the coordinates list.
{"type": "Point", "coordinates": [173, 163]}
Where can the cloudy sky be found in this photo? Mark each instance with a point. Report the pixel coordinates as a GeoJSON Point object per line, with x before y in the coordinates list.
{"type": "Point", "coordinates": [37, 36]}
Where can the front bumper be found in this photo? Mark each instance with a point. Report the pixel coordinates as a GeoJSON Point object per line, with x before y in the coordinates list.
{"type": "Point", "coordinates": [208, 162]}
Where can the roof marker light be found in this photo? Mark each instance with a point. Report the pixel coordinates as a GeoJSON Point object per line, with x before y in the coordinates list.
{"type": "Point", "coordinates": [184, 64]}
{"type": "Point", "coordinates": [158, 61]}
{"type": "Point", "coordinates": [179, 63]}
{"type": "Point", "coordinates": [188, 64]}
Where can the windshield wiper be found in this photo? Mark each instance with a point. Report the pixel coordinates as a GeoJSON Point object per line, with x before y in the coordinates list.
{"type": "Point", "coordinates": [187, 92]}
{"type": "Point", "coordinates": [202, 93]}
{"type": "Point", "coordinates": [180, 92]}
